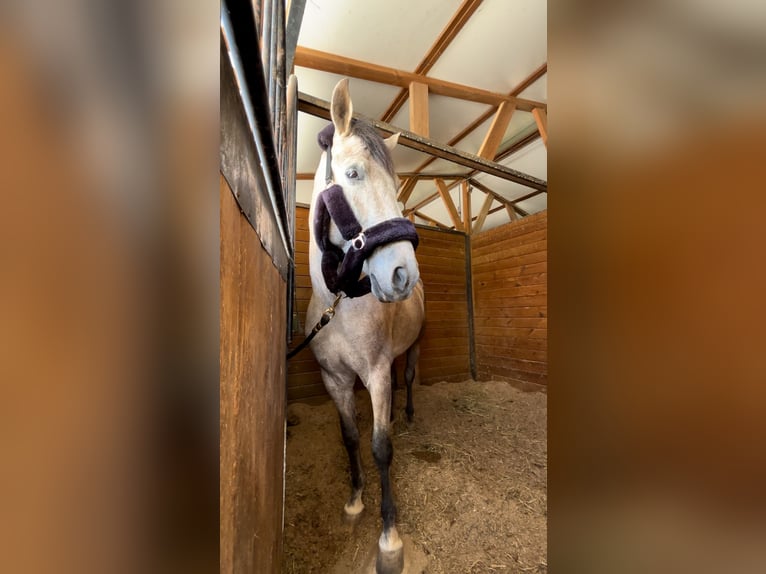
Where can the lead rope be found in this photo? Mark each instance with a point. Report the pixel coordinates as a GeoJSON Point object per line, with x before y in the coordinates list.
{"type": "Point", "coordinates": [328, 314]}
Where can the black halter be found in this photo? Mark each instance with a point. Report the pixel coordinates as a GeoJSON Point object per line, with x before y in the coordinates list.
{"type": "Point", "coordinates": [341, 271]}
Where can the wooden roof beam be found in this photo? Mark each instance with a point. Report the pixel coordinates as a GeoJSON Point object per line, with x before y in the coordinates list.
{"type": "Point", "coordinates": [448, 203]}
{"type": "Point", "coordinates": [318, 60]}
{"type": "Point", "coordinates": [456, 23]}
{"type": "Point", "coordinates": [321, 108]}
{"type": "Point", "coordinates": [542, 124]}
{"type": "Point", "coordinates": [496, 131]}
{"type": "Point", "coordinates": [419, 108]}
{"type": "Point", "coordinates": [483, 213]}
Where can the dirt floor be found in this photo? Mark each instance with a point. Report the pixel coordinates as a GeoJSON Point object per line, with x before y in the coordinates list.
{"type": "Point", "coordinates": [469, 479]}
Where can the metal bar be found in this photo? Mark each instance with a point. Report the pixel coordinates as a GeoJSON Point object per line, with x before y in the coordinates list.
{"type": "Point", "coordinates": [238, 33]}
{"type": "Point", "coordinates": [469, 304]}
{"type": "Point", "coordinates": [321, 108]}
{"type": "Point", "coordinates": [279, 77]}
{"type": "Point", "coordinates": [294, 21]}
{"type": "Point", "coordinates": [265, 39]}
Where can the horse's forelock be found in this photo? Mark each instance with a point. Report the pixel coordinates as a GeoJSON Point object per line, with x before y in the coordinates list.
{"type": "Point", "coordinates": [374, 144]}
{"type": "Point", "coordinates": [370, 138]}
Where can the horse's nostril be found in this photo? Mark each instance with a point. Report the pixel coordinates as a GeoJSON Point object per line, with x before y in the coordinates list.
{"type": "Point", "coordinates": [400, 278]}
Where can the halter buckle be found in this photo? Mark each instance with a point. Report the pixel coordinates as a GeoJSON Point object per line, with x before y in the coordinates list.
{"type": "Point", "coordinates": [359, 241]}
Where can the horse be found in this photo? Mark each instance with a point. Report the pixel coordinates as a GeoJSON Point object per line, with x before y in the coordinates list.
{"type": "Point", "coordinates": [364, 276]}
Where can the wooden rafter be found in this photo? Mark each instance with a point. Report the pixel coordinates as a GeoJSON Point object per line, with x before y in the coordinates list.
{"type": "Point", "coordinates": [333, 63]}
{"type": "Point", "coordinates": [483, 213]}
{"type": "Point", "coordinates": [542, 124]}
{"type": "Point", "coordinates": [511, 212]}
{"type": "Point", "coordinates": [496, 131]}
{"type": "Point", "coordinates": [456, 23]}
{"type": "Point", "coordinates": [448, 203]}
{"type": "Point", "coordinates": [419, 108]}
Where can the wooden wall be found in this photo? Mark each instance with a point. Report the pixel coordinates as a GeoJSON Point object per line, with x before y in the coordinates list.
{"type": "Point", "coordinates": [445, 345]}
{"type": "Point", "coordinates": [303, 378]}
{"type": "Point", "coordinates": [252, 400]}
{"type": "Point", "coordinates": [509, 270]}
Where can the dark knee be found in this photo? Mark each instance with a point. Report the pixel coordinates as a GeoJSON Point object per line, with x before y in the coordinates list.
{"type": "Point", "coordinates": [350, 436]}
{"type": "Point", "coordinates": [382, 449]}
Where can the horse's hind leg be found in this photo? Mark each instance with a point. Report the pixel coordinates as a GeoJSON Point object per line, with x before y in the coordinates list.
{"type": "Point", "coordinates": [341, 390]}
{"type": "Point", "coordinates": [413, 354]}
{"type": "Point", "coordinates": [390, 559]}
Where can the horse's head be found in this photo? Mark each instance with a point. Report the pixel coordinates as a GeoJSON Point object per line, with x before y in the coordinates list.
{"type": "Point", "coordinates": [362, 166]}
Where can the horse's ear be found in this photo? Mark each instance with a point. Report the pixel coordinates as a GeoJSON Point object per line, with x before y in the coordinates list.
{"type": "Point", "coordinates": [391, 141]}
{"type": "Point", "coordinates": [341, 108]}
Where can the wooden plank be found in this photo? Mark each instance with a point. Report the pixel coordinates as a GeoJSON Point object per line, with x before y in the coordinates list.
{"type": "Point", "coordinates": [536, 237]}
{"type": "Point", "coordinates": [507, 342]}
{"type": "Point", "coordinates": [511, 252]}
{"type": "Point", "coordinates": [252, 397]}
{"type": "Point", "coordinates": [336, 64]}
{"type": "Point", "coordinates": [321, 108]}
{"type": "Point", "coordinates": [482, 214]}
{"type": "Point", "coordinates": [511, 212]}
{"type": "Point", "coordinates": [456, 23]}
{"type": "Point", "coordinates": [513, 322]}
{"type": "Point", "coordinates": [496, 131]}
{"type": "Point", "coordinates": [504, 302]}
{"type": "Point", "coordinates": [521, 260]}
{"type": "Point", "coordinates": [533, 222]}
{"type": "Point", "coordinates": [448, 203]}
{"type": "Point", "coordinates": [519, 281]}
{"type": "Point", "coordinates": [419, 108]}
{"type": "Point", "coordinates": [541, 117]}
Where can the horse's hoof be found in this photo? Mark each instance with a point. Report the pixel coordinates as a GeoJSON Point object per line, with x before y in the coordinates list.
{"type": "Point", "coordinates": [390, 562]}
{"type": "Point", "coordinates": [353, 508]}
{"type": "Point", "coordinates": [390, 559]}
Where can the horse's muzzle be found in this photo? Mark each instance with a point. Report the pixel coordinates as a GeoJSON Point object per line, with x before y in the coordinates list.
{"type": "Point", "coordinates": [393, 272]}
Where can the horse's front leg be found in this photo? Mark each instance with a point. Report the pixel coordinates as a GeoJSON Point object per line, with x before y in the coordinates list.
{"type": "Point", "coordinates": [390, 558]}
{"type": "Point", "coordinates": [341, 389]}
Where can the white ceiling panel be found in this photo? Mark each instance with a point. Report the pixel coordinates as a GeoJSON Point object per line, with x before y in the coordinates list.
{"type": "Point", "coordinates": [502, 43]}
{"type": "Point", "coordinates": [393, 33]}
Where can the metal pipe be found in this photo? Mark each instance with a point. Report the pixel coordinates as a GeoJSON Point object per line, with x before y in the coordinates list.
{"type": "Point", "coordinates": [250, 76]}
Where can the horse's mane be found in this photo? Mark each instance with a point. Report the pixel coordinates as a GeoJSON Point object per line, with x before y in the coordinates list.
{"type": "Point", "coordinates": [371, 139]}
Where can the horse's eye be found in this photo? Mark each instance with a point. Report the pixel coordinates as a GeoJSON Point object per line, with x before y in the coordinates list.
{"type": "Point", "coordinates": [352, 173]}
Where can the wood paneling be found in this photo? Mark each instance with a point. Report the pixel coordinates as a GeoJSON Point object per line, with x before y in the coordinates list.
{"type": "Point", "coordinates": [252, 399]}
{"type": "Point", "coordinates": [509, 275]}
{"type": "Point", "coordinates": [445, 351]}
{"type": "Point", "coordinates": [303, 378]}
{"type": "Point", "coordinates": [445, 347]}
